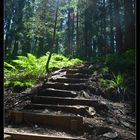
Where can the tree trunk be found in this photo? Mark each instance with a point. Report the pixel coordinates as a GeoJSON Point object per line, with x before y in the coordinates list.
{"type": "Point", "coordinates": [129, 25]}
{"type": "Point", "coordinates": [7, 36]}
{"type": "Point", "coordinates": [53, 38]}
{"type": "Point", "coordinates": [104, 23]}
{"type": "Point", "coordinates": [77, 33]}
{"type": "Point", "coordinates": [68, 34]}
{"type": "Point", "coordinates": [111, 27]}
{"type": "Point", "coordinates": [118, 26]}
{"type": "Point", "coordinates": [15, 51]}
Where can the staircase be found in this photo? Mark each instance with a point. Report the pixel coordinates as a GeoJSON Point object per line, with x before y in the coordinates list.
{"type": "Point", "coordinates": [57, 105]}
{"type": "Point", "coordinates": [59, 109]}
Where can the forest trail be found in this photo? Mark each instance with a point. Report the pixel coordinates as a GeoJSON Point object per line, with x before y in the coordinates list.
{"type": "Point", "coordinates": [69, 106]}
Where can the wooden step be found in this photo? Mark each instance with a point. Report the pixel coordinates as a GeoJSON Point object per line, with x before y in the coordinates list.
{"type": "Point", "coordinates": [58, 121]}
{"type": "Point", "coordinates": [81, 110]}
{"type": "Point", "coordinates": [81, 71]}
{"type": "Point", "coordinates": [22, 136]}
{"type": "Point", "coordinates": [57, 72]}
{"type": "Point", "coordinates": [57, 93]}
{"type": "Point", "coordinates": [68, 80]}
{"type": "Point", "coordinates": [7, 137]}
{"type": "Point", "coordinates": [69, 101]}
{"type": "Point", "coordinates": [77, 75]}
{"type": "Point", "coordinates": [80, 66]}
{"type": "Point", "coordinates": [65, 86]}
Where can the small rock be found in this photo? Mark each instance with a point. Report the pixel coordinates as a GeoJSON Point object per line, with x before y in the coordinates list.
{"type": "Point", "coordinates": [85, 94]}
{"type": "Point", "coordinates": [66, 84]}
{"type": "Point", "coordinates": [91, 67]}
{"type": "Point", "coordinates": [46, 111]}
{"type": "Point", "coordinates": [58, 112]}
{"type": "Point", "coordinates": [91, 111]}
{"type": "Point", "coordinates": [126, 124]}
{"type": "Point", "coordinates": [111, 120]}
{"type": "Point", "coordinates": [36, 125]}
{"type": "Point", "coordinates": [103, 102]}
{"type": "Point", "coordinates": [111, 135]}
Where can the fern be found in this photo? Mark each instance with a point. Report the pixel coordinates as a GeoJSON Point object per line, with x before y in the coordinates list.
{"type": "Point", "coordinates": [27, 70]}
{"type": "Point", "coordinates": [119, 79]}
{"type": "Point", "coordinates": [9, 65]}
{"type": "Point", "coordinates": [118, 83]}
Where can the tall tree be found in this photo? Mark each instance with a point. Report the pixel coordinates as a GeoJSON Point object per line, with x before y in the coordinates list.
{"type": "Point", "coordinates": [118, 26]}
{"type": "Point", "coordinates": [8, 13]}
{"type": "Point", "coordinates": [85, 28]}
{"type": "Point", "coordinates": [129, 24]}
{"type": "Point", "coordinates": [53, 38]}
{"type": "Point", "coordinates": [17, 25]}
{"type": "Point", "coordinates": [111, 26]}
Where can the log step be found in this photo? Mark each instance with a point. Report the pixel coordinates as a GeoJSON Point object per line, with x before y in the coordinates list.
{"type": "Point", "coordinates": [68, 80]}
{"type": "Point", "coordinates": [21, 136]}
{"type": "Point", "coordinates": [58, 121]}
{"type": "Point", "coordinates": [57, 93]}
{"type": "Point", "coordinates": [77, 75]}
{"type": "Point", "coordinates": [69, 101]}
{"type": "Point", "coordinates": [65, 86]}
{"type": "Point", "coordinates": [81, 110]}
{"type": "Point", "coordinates": [7, 137]}
{"type": "Point", "coordinates": [81, 71]}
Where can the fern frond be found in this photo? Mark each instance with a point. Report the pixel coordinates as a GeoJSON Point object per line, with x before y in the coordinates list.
{"type": "Point", "coordinates": [9, 65]}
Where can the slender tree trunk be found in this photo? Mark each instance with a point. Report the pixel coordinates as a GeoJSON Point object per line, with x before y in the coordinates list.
{"type": "Point", "coordinates": [111, 28]}
{"type": "Point", "coordinates": [85, 36]}
{"type": "Point", "coordinates": [129, 25]}
{"type": "Point", "coordinates": [72, 30]}
{"type": "Point", "coordinates": [88, 33]}
{"type": "Point", "coordinates": [7, 37]}
{"type": "Point", "coordinates": [15, 51]}
{"type": "Point", "coordinates": [77, 33]}
{"type": "Point", "coordinates": [118, 26]}
{"type": "Point", "coordinates": [69, 34]}
{"type": "Point", "coordinates": [53, 38]}
{"type": "Point", "coordinates": [104, 24]}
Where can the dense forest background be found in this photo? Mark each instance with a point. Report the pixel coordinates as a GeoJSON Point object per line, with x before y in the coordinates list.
{"type": "Point", "coordinates": [74, 59]}
{"type": "Point", "coordinates": [72, 32]}
{"type": "Point", "coordinates": [45, 35]}
{"type": "Point", "coordinates": [84, 28]}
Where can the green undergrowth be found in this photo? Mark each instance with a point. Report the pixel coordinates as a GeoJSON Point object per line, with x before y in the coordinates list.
{"type": "Point", "coordinates": [121, 68]}
{"type": "Point", "coordinates": [124, 63]}
{"type": "Point", "coordinates": [26, 71]}
{"type": "Point", "coordinates": [117, 82]}
{"type": "Point", "coordinates": [119, 63]}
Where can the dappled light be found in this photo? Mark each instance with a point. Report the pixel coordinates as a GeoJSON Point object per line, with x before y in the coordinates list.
{"type": "Point", "coordinates": [69, 70]}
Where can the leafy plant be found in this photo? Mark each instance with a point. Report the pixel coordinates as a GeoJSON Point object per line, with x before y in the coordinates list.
{"type": "Point", "coordinates": [104, 70]}
{"type": "Point", "coordinates": [7, 65]}
{"type": "Point", "coordinates": [124, 63]}
{"type": "Point", "coordinates": [28, 70]}
{"type": "Point", "coordinates": [118, 83]}
{"type": "Point", "coordinates": [119, 80]}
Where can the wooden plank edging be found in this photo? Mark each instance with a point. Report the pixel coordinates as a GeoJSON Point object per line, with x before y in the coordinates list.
{"type": "Point", "coordinates": [21, 136]}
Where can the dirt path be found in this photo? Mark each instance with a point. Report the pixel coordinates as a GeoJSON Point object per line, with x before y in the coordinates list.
{"type": "Point", "coordinates": [69, 104]}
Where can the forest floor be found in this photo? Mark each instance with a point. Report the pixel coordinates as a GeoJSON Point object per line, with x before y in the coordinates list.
{"type": "Point", "coordinates": [73, 91]}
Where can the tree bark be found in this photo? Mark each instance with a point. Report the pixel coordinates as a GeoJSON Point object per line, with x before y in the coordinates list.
{"type": "Point", "coordinates": [53, 38]}
{"type": "Point", "coordinates": [111, 27]}
{"type": "Point", "coordinates": [118, 27]}
{"type": "Point", "coordinates": [129, 25]}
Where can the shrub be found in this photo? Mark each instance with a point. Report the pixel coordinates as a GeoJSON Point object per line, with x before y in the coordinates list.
{"type": "Point", "coordinates": [117, 82]}
{"type": "Point", "coordinates": [122, 62]}
{"type": "Point", "coordinates": [26, 71]}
